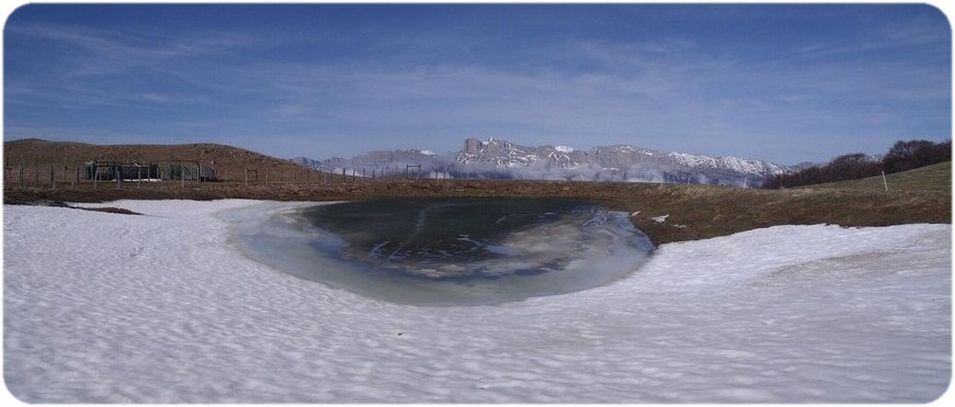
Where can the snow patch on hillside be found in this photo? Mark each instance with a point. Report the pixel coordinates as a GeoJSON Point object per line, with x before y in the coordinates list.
{"type": "Point", "coordinates": [731, 163]}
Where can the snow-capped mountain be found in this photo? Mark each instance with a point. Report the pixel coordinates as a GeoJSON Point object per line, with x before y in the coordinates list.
{"type": "Point", "coordinates": [504, 154]}
{"type": "Point", "coordinates": [379, 160]}
{"type": "Point", "coordinates": [496, 158]}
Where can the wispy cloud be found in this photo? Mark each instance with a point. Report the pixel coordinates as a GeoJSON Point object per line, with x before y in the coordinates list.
{"type": "Point", "coordinates": [100, 52]}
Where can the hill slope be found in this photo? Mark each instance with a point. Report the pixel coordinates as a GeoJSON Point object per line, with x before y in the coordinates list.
{"type": "Point", "coordinates": [936, 177]}
{"type": "Point", "coordinates": [229, 162]}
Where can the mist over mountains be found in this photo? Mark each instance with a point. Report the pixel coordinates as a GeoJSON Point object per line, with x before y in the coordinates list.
{"type": "Point", "coordinates": [496, 158]}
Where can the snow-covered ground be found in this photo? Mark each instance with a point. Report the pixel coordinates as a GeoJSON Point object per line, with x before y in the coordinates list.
{"type": "Point", "coordinates": [103, 307]}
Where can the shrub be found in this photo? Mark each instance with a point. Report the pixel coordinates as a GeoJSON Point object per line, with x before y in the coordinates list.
{"type": "Point", "coordinates": [907, 155]}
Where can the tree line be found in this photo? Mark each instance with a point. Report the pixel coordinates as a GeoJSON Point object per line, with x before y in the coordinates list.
{"type": "Point", "coordinates": [903, 156]}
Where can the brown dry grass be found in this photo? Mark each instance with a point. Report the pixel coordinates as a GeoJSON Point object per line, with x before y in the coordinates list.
{"type": "Point", "coordinates": [695, 211]}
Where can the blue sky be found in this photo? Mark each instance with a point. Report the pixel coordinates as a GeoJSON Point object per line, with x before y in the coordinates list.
{"type": "Point", "coordinates": [788, 83]}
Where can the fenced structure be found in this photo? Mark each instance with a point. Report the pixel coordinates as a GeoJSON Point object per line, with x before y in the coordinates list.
{"type": "Point", "coordinates": [110, 171]}
{"type": "Point", "coordinates": [186, 170]}
{"type": "Point", "coordinates": [157, 171]}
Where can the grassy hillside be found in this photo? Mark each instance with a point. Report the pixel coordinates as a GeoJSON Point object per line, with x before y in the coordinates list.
{"type": "Point", "coordinates": [36, 154]}
{"type": "Point", "coordinates": [937, 177]}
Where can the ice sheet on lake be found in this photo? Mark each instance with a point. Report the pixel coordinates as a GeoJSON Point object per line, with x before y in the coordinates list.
{"type": "Point", "coordinates": [161, 308]}
{"type": "Point", "coordinates": [576, 248]}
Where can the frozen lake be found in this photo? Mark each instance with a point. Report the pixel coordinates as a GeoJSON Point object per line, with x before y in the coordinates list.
{"type": "Point", "coordinates": [446, 251]}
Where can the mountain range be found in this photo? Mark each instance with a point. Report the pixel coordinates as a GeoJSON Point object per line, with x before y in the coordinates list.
{"type": "Point", "coordinates": [496, 158]}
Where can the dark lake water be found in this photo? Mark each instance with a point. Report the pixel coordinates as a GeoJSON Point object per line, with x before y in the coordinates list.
{"type": "Point", "coordinates": [450, 251]}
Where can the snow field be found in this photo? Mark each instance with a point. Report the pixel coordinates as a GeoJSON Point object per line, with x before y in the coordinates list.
{"type": "Point", "coordinates": [103, 307]}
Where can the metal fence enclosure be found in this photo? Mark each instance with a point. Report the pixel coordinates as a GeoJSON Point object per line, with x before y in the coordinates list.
{"type": "Point", "coordinates": [163, 170]}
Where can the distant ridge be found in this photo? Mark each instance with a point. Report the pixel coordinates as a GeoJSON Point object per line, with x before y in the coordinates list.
{"type": "Point", "coordinates": [491, 158]}
{"type": "Point", "coordinates": [497, 158]}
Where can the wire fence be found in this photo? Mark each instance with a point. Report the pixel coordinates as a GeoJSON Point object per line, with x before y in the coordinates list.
{"type": "Point", "coordinates": [96, 174]}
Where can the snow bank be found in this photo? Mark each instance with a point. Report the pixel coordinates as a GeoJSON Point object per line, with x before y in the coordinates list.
{"type": "Point", "coordinates": [103, 307]}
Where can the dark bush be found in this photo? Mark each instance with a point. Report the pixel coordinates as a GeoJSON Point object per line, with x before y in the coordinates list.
{"type": "Point", "coordinates": [907, 155]}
